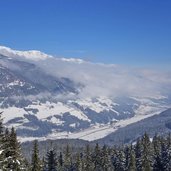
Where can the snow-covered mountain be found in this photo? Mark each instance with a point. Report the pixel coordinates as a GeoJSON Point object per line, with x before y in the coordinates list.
{"type": "Point", "coordinates": [48, 97]}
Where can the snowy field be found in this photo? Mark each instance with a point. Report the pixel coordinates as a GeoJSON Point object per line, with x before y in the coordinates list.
{"type": "Point", "coordinates": [93, 133]}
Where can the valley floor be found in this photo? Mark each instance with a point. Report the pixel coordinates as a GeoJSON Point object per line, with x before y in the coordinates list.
{"type": "Point", "coordinates": [93, 133]}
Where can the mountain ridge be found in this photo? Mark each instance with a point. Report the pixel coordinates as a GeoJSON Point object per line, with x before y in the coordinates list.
{"type": "Point", "coordinates": [62, 97]}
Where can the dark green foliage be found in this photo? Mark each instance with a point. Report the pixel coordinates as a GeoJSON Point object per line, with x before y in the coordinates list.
{"type": "Point", "coordinates": [1, 141]}
{"type": "Point", "coordinates": [5, 149]}
{"type": "Point", "coordinates": [1, 125]}
{"type": "Point", "coordinates": [138, 155]}
{"type": "Point", "coordinates": [79, 163]}
{"type": "Point", "coordinates": [88, 163]}
{"type": "Point", "coordinates": [120, 163]}
{"type": "Point", "coordinates": [60, 161]}
{"type": "Point", "coordinates": [97, 157]}
{"type": "Point", "coordinates": [105, 159]}
{"type": "Point", "coordinates": [168, 147]}
{"type": "Point", "coordinates": [132, 161]}
{"type": "Point", "coordinates": [127, 156]}
{"type": "Point", "coordinates": [146, 155]}
{"type": "Point", "coordinates": [11, 153]}
{"type": "Point", "coordinates": [35, 164]}
{"type": "Point", "coordinates": [67, 158]}
{"type": "Point", "coordinates": [51, 161]}
{"type": "Point", "coordinates": [118, 160]}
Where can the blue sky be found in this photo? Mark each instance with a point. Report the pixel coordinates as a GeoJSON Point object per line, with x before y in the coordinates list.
{"type": "Point", "coordinates": [127, 32]}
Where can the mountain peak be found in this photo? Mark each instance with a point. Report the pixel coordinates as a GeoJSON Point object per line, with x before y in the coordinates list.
{"type": "Point", "coordinates": [33, 55]}
{"type": "Point", "coordinates": [30, 54]}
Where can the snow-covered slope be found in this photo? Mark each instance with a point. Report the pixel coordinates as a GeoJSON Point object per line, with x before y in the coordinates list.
{"type": "Point", "coordinates": [31, 54]}
{"type": "Point", "coordinates": [43, 96]}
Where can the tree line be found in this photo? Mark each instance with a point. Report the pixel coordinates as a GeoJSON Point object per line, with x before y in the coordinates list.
{"type": "Point", "coordinates": [145, 154]}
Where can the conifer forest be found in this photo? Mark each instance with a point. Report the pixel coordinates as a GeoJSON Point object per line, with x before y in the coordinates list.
{"type": "Point", "coordinates": [145, 154]}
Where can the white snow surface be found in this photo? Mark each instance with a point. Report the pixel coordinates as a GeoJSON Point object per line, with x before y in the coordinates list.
{"type": "Point", "coordinates": [96, 131]}
{"type": "Point", "coordinates": [12, 112]}
{"type": "Point", "coordinates": [34, 55]}
{"type": "Point", "coordinates": [31, 54]}
{"type": "Point", "coordinates": [93, 133]}
{"type": "Point", "coordinates": [97, 105]}
{"type": "Point", "coordinates": [49, 109]}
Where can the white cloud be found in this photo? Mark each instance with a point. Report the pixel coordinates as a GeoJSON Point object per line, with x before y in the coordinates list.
{"type": "Point", "coordinates": [106, 80]}
{"type": "Point", "coordinates": [109, 80]}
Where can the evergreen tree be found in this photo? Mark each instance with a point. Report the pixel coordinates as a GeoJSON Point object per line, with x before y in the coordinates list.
{"type": "Point", "coordinates": [78, 162]}
{"type": "Point", "coordinates": [60, 161]}
{"type": "Point", "coordinates": [118, 160]}
{"type": "Point", "coordinates": [26, 164]}
{"type": "Point", "coordinates": [156, 144]}
{"type": "Point", "coordinates": [168, 144]}
{"type": "Point", "coordinates": [164, 156]}
{"type": "Point", "coordinates": [44, 164]}
{"type": "Point", "coordinates": [120, 165]}
{"type": "Point", "coordinates": [1, 127]}
{"type": "Point", "coordinates": [127, 156]}
{"type": "Point", "coordinates": [5, 153]}
{"type": "Point", "coordinates": [67, 158]}
{"type": "Point", "coordinates": [12, 152]}
{"type": "Point", "coordinates": [132, 162]}
{"type": "Point", "coordinates": [146, 153]}
{"type": "Point", "coordinates": [138, 154]}
{"type": "Point", "coordinates": [114, 158]}
{"type": "Point", "coordinates": [51, 161]}
{"type": "Point", "coordinates": [1, 140]}
{"type": "Point", "coordinates": [105, 160]}
{"type": "Point", "coordinates": [97, 158]}
{"type": "Point", "coordinates": [36, 164]}
{"type": "Point", "coordinates": [88, 164]}
{"type": "Point", "coordinates": [157, 161]}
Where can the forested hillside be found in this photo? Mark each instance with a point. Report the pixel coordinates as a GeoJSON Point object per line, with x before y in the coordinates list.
{"type": "Point", "coordinates": [146, 154]}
